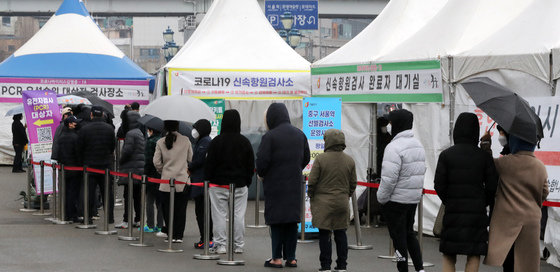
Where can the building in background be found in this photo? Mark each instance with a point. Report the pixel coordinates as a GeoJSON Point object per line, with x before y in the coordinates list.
{"type": "Point", "coordinates": [14, 32]}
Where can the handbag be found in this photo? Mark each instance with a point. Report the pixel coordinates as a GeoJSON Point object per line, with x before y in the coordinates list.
{"type": "Point", "coordinates": [438, 224]}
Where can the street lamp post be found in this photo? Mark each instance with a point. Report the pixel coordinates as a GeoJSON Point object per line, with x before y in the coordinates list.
{"type": "Point", "coordinates": [170, 49]}
{"type": "Point", "coordinates": [291, 35]}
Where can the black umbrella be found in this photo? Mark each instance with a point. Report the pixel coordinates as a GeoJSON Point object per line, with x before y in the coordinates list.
{"type": "Point", "coordinates": [508, 109]}
{"type": "Point", "coordinates": [96, 101]}
{"type": "Point", "coordinates": [156, 123]}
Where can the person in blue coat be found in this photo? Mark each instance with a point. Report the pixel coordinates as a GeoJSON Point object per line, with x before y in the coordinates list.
{"type": "Point", "coordinates": [282, 155]}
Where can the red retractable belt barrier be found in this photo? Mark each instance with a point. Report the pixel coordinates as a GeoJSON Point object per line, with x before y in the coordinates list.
{"type": "Point", "coordinates": [35, 163]}
{"type": "Point", "coordinates": [93, 170]}
{"type": "Point", "coordinates": [48, 164]}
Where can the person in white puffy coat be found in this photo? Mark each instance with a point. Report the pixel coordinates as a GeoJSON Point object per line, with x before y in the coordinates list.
{"type": "Point", "coordinates": [402, 179]}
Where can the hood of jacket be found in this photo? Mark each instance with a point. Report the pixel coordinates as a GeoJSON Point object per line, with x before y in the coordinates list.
{"type": "Point", "coordinates": [467, 129]}
{"type": "Point", "coordinates": [203, 127]}
{"type": "Point", "coordinates": [133, 117]}
{"type": "Point", "coordinates": [334, 140]}
{"type": "Point", "coordinates": [231, 122]}
{"type": "Point", "coordinates": [517, 144]}
{"type": "Point", "coordinates": [401, 120]}
{"type": "Point", "coordinates": [276, 115]}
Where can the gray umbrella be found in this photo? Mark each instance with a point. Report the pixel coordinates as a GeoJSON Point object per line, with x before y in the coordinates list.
{"type": "Point", "coordinates": [180, 108]}
{"type": "Point", "coordinates": [156, 123]}
{"type": "Point", "coordinates": [508, 109]}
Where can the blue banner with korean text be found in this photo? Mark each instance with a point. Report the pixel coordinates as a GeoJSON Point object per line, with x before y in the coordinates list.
{"type": "Point", "coordinates": [305, 13]}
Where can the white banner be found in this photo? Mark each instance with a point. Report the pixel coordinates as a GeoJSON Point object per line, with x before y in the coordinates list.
{"type": "Point", "coordinates": [239, 83]}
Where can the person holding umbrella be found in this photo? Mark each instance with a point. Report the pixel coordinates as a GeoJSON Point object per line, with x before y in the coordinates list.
{"type": "Point", "coordinates": [19, 141]}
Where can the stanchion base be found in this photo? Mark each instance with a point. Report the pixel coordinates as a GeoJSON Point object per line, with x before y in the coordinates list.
{"type": "Point", "coordinates": [118, 204]}
{"type": "Point", "coordinates": [86, 226]}
{"type": "Point", "coordinates": [170, 250]}
{"type": "Point", "coordinates": [106, 232]}
{"type": "Point", "coordinates": [224, 262]}
{"type": "Point", "coordinates": [261, 211]}
{"type": "Point", "coordinates": [257, 226]}
{"type": "Point", "coordinates": [27, 210]}
{"type": "Point", "coordinates": [52, 219]}
{"type": "Point", "coordinates": [58, 222]}
{"type": "Point", "coordinates": [410, 263]}
{"type": "Point", "coordinates": [366, 226]}
{"type": "Point", "coordinates": [305, 241]}
{"type": "Point", "coordinates": [362, 247]}
{"type": "Point", "coordinates": [386, 257]}
{"type": "Point", "coordinates": [128, 238]}
{"type": "Point", "coordinates": [206, 257]}
{"type": "Point", "coordinates": [140, 245]}
{"type": "Point", "coordinates": [41, 214]}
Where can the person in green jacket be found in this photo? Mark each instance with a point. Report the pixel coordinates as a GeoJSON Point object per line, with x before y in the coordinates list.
{"type": "Point", "coordinates": [152, 194]}
{"type": "Point", "coordinates": [331, 182]}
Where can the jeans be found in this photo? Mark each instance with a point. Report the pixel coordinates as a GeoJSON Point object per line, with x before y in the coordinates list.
{"type": "Point", "coordinates": [199, 211]}
{"type": "Point", "coordinates": [284, 240]}
{"type": "Point", "coordinates": [153, 198]}
{"type": "Point", "coordinates": [179, 213]}
{"type": "Point", "coordinates": [136, 195]}
{"type": "Point", "coordinates": [400, 220]}
{"type": "Point", "coordinates": [219, 203]}
{"type": "Point", "coordinates": [325, 245]}
{"type": "Point", "coordinates": [18, 158]}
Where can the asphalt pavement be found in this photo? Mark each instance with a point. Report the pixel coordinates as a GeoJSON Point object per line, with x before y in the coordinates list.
{"type": "Point", "coordinates": [29, 243]}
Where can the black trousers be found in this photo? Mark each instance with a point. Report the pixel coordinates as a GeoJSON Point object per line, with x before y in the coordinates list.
{"type": "Point", "coordinates": [400, 221]}
{"type": "Point", "coordinates": [136, 195]}
{"type": "Point", "coordinates": [199, 211]}
{"type": "Point", "coordinates": [96, 180]}
{"type": "Point", "coordinates": [153, 198]}
{"type": "Point", "coordinates": [509, 262]}
{"type": "Point", "coordinates": [284, 240]}
{"type": "Point", "coordinates": [18, 158]}
{"type": "Point", "coordinates": [325, 245]}
{"type": "Point", "coordinates": [179, 213]}
{"type": "Point", "coordinates": [73, 184]}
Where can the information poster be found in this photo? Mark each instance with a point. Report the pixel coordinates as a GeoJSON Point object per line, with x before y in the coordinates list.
{"type": "Point", "coordinates": [218, 106]}
{"type": "Point", "coordinates": [42, 114]}
{"type": "Point", "coordinates": [319, 115]}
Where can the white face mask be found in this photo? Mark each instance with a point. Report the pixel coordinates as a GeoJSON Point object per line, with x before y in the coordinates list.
{"type": "Point", "coordinates": [194, 133]}
{"type": "Point", "coordinates": [149, 133]}
{"type": "Point", "coordinates": [503, 140]}
{"type": "Point", "coordinates": [389, 129]}
{"type": "Point", "coordinates": [384, 129]}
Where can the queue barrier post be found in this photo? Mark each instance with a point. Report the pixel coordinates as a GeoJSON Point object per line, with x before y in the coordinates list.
{"type": "Point", "coordinates": [86, 224]}
{"type": "Point", "coordinates": [206, 255]}
{"type": "Point", "coordinates": [358, 245]}
{"type": "Point", "coordinates": [62, 196]}
{"type": "Point", "coordinates": [257, 224]}
{"type": "Point", "coordinates": [230, 242]}
{"type": "Point", "coordinates": [118, 201]}
{"type": "Point", "coordinates": [169, 248]}
{"type": "Point", "coordinates": [106, 207]}
{"type": "Point", "coordinates": [142, 215]}
{"type": "Point", "coordinates": [130, 218]}
{"type": "Point", "coordinates": [421, 230]}
{"type": "Point", "coordinates": [302, 216]}
{"type": "Point", "coordinates": [27, 207]}
{"type": "Point", "coordinates": [42, 185]}
{"type": "Point", "coordinates": [54, 199]}
{"type": "Point", "coordinates": [368, 208]}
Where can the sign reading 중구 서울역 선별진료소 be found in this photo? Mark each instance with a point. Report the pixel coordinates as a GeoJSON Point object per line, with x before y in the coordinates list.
{"type": "Point", "coordinates": [305, 13]}
{"type": "Point", "coordinates": [319, 115]}
{"type": "Point", "coordinates": [405, 82]}
{"type": "Point", "coordinates": [42, 115]}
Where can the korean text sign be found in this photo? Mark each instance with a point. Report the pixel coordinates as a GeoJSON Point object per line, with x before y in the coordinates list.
{"type": "Point", "coordinates": [42, 115]}
{"type": "Point", "coordinates": [305, 13]}
{"type": "Point", "coordinates": [319, 115]}
{"type": "Point", "coordinates": [218, 106]}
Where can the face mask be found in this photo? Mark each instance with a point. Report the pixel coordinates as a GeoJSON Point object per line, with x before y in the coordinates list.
{"type": "Point", "coordinates": [194, 133]}
{"type": "Point", "coordinates": [389, 129]}
{"type": "Point", "coordinates": [384, 129]}
{"type": "Point", "coordinates": [503, 140]}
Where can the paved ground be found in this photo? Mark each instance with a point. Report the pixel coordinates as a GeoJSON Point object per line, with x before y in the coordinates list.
{"type": "Point", "coordinates": [29, 243]}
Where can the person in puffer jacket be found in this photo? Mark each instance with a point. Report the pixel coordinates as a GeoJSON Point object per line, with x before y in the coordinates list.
{"type": "Point", "coordinates": [402, 179]}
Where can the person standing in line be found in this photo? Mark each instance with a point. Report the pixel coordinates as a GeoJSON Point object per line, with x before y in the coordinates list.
{"type": "Point", "coordinates": [152, 189]}
{"type": "Point", "coordinates": [516, 218]}
{"type": "Point", "coordinates": [19, 140]}
{"type": "Point", "coordinates": [96, 144]}
{"type": "Point", "coordinates": [66, 111]}
{"type": "Point", "coordinates": [400, 190]}
{"type": "Point", "coordinates": [171, 158]}
{"type": "Point", "coordinates": [283, 154]}
{"type": "Point", "coordinates": [331, 182]}
{"type": "Point", "coordinates": [230, 159]}
{"type": "Point", "coordinates": [465, 181]}
{"type": "Point", "coordinates": [68, 156]}
{"type": "Point", "coordinates": [201, 133]}
{"type": "Point", "coordinates": [503, 139]}
{"type": "Point", "coordinates": [132, 161]}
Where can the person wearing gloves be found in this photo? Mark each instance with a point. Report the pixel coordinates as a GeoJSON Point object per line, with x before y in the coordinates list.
{"type": "Point", "coordinates": [201, 133]}
{"type": "Point", "coordinates": [400, 190]}
{"type": "Point", "coordinates": [171, 159]}
{"type": "Point", "coordinates": [331, 182]}
{"type": "Point", "coordinates": [230, 159]}
{"type": "Point", "coordinates": [283, 154]}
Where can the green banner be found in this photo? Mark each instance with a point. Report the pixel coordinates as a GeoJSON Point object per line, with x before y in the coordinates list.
{"type": "Point", "coordinates": [218, 106]}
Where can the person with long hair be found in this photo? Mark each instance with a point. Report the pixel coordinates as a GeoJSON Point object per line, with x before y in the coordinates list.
{"type": "Point", "coordinates": [171, 158]}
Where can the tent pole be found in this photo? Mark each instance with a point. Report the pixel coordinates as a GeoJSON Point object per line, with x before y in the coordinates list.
{"type": "Point", "coordinates": [452, 91]}
{"type": "Point", "coordinates": [552, 81]}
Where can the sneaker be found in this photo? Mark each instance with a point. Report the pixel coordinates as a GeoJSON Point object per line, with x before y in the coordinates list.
{"type": "Point", "coordinates": [122, 225]}
{"type": "Point", "coordinates": [218, 249]}
{"type": "Point", "coordinates": [200, 245]}
{"type": "Point", "coordinates": [324, 270]}
{"type": "Point", "coordinates": [157, 229]}
{"type": "Point", "coordinates": [147, 229]}
{"type": "Point", "coordinates": [336, 269]}
{"type": "Point", "coordinates": [161, 234]}
{"type": "Point", "coordinates": [136, 224]}
{"type": "Point", "coordinates": [238, 250]}
{"type": "Point", "coordinates": [179, 241]}
{"type": "Point", "coordinates": [95, 217]}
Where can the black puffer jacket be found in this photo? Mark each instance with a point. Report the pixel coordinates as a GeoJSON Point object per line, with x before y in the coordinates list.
{"type": "Point", "coordinates": [57, 133]}
{"type": "Point", "coordinates": [230, 155]}
{"type": "Point", "coordinates": [68, 149]}
{"type": "Point", "coordinates": [465, 181]}
{"type": "Point", "coordinates": [282, 155]}
{"type": "Point", "coordinates": [196, 166]}
{"type": "Point", "coordinates": [132, 154]}
{"type": "Point", "coordinates": [96, 143]}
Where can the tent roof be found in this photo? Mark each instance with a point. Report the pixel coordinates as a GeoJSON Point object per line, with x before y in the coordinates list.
{"type": "Point", "coordinates": [71, 45]}
{"type": "Point", "coordinates": [237, 35]}
{"type": "Point", "coordinates": [399, 20]}
{"type": "Point", "coordinates": [524, 44]}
